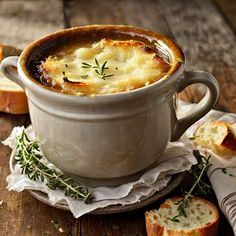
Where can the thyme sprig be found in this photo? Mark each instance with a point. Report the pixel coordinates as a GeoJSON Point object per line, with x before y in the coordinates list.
{"type": "Point", "coordinates": [203, 188]}
{"type": "Point", "coordinates": [199, 187]}
{"type": "Point", "coordinates": [30, 160]}
{"type": "Point", "coordinates": [99, 69]}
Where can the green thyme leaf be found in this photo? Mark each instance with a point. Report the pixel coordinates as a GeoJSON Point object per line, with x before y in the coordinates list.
{"type": "Point", "coordinates": [96, 61]}
{"type": "Point", "coordinates": [64, 75]}
{"type": "Point", "coordinates": [174, 219]}
{"type": "Point", "coordinates": [86, 65]}
{"type": "Point", "coordinates": [99, 69]}
{"type": "Point", "coordinates": [193, 137]}
{"type": "Point", "coordinates": [84, 76]}
{"type": "Point", "coordinates": [105, 76]}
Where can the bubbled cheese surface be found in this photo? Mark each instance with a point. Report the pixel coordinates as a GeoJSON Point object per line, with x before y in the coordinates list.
{"type": "Point", "coordinates": [129, 65]}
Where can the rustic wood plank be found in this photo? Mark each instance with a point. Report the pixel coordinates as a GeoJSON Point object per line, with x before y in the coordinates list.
{"type": "Point", "coordinates": [202, 33]}
{"type": "Point", "coordinates": [24, 21]}
{"type": "Point", "coordinates": [132, 12]}
{"type": "Point", "coordinates": [66, 14]}
{"type": "Point", "coordinates": [126, 224]}
{"type": "Point", "coordinates": [21, 214]}
{"type": "Point", "coordinates": [228, 10]}
{"type": "Point", "coordinates": [208, 42]}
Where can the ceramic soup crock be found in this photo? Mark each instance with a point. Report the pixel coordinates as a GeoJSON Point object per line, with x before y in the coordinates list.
{"type": "Point", "coordinates": [108, 139]}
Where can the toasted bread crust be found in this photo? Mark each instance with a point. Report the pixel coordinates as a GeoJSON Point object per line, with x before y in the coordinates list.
{"type": "Point", "coordinates": [230, 142]}
{"type": "Point", "coordinates": [154, 229]}
{"type": "Point", "coordinates": [227, 145]}
{"type": "Point", "coordinates": [14, 102]}
{"type": "Point", "coordinates": [11, 101]}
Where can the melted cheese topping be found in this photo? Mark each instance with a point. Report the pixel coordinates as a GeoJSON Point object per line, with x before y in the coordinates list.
{"type": "Point", "coordinates": [129, 65]}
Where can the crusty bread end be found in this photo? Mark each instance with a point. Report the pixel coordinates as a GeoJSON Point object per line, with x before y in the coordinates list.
{"type": "Point", "coordinates": [12, 97]}
{"type": "Point", "coordinates": [14, 102]}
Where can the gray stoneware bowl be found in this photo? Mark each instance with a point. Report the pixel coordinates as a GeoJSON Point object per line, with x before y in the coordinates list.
{"type": "Point", "coordinates": [109, 139]}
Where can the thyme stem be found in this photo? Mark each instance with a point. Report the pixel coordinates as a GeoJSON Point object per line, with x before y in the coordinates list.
{"type": "Point", "coordinates": [198, 171]}
{"type": "Point", "coordinates": [29, 158]}
{"type": "Point", "coordinates": [196, 183]}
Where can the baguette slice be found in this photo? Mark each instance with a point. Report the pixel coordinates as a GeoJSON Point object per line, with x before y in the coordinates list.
{"type": "Point", "coordinates": [202, 219]}
{"type": "Point", "coordinates": [219, 136]}
{"type": "Point", "coordinates": [12, 97]}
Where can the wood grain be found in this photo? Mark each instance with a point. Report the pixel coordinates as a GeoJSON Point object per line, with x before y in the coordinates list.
{"type": "Point", "coordinates": [205, 30]}
{"type": "Point", "coordinates": [144, 14]}
{"type": "Point", "coordinates": [21, 214]}
{"type": "Point", "coordinates": [21, 22]}
{"type": "Point", "coordinates": [127, 224]}
{"type": "Point", "coordinates": [201, 32]}
{"type": "Point", "coordinates": [208, 42]}
{"type": "Point", "coordinates": [228, 10]}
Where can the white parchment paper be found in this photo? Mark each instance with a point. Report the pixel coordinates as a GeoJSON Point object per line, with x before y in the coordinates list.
{"type": "Point", "coordinates": [177, 158]}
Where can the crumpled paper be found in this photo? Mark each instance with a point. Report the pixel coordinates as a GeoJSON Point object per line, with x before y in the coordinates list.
{"type": "Point", "coordinates": [177, 158]}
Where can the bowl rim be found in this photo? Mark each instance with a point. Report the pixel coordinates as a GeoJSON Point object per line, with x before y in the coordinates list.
{"type": "Point", "coordinates": [36, 87]}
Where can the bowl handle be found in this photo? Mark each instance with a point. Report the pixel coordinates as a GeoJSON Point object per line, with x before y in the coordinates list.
{"type": "Point", "coordinates": [9, 69]}
{"type": "Point", "coordinates": [203, 107]}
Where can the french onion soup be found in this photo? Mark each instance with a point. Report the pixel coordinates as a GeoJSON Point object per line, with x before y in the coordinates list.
{"type": "Point", "coordinates": [105, 66]}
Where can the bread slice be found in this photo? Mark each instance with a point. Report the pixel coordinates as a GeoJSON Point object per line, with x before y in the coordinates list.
{"type": "Point", "coordinates": [202, 219]}
{"type": "Point", "coordinates": [12, 97]}
{"type": "Point", "coordinates": [219, 136]}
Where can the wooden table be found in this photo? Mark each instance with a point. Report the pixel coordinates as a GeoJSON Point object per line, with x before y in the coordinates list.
{"type": "Point", "coordinates": [204, 29]}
